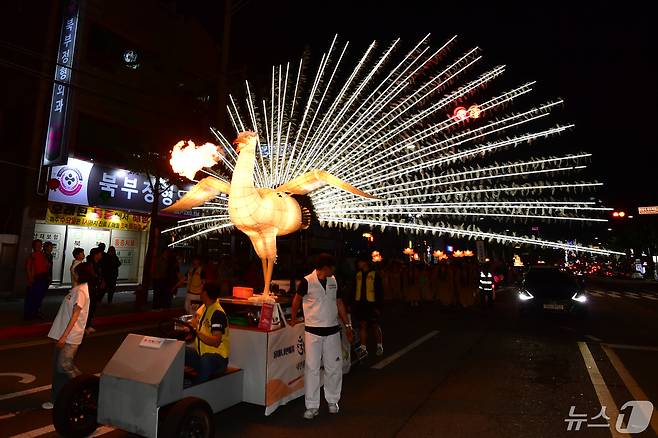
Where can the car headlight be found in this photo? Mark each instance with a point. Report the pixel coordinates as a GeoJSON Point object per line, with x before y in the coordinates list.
{"type": "Point", "coordinates": [580, 297]}
{"type": "Point", "coordinates": [524, 295]}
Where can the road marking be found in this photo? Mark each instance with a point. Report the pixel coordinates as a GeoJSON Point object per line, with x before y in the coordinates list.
{"type": "Point", "coordinates": [50, 429]}
{"type": "Point", "coordinates": [630, 382]}
{"type": "Point", "coordinates": [593, 338]}
{"type": "Point", "coordinates": [36, 432]}
{"type": "Point", "coordinates": [633, 295]}
{"type": "Point", "coordinates": [650, 296]}
{"type": "Point", "coordinates": [602, 391]}
{"type": "Point", "coordinates": [614, 294]}
{"type": "Point", "coordinates": [29, 391]}
{"type": "Point", "coordinates": [51, 341]}
{"type": "Point", "coordinates": [595, 293]}
{"type": "Point", "coordinates": [382, 363]}
{"type": "Point", "coordinates": [632, 347]}
{"type": "Point", "coordinates": [24, 392]}
{"type": "Point", "coordinates": [102, 431]}
{"type": "Point", "coordinates": [6, 416]}
{"type": "Point", "coordinates": [25, 378]}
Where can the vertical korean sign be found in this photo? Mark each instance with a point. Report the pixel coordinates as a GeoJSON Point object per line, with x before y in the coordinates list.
{"type": "Point", "coordinates": [56, 147]}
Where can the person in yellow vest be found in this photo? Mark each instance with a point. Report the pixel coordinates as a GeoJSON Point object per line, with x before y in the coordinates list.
{"type": "Point", "coordinates": [210, 350]}
{"type": "Point", "coordinates": [368, 298]}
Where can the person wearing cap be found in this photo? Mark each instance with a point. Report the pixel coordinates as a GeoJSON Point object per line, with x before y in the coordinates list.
{"type": "Point", "coordinates": [322, 303]}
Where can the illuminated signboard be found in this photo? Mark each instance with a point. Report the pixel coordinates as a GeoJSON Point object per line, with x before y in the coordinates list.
{"type": "Point", "coordinates": [56, 147]}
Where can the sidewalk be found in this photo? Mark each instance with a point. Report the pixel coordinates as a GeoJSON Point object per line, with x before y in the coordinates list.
{"type": "Point", "coordinates": [120, 312]}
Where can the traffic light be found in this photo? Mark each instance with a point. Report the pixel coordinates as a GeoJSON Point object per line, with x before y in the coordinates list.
{"type": "Point", "coordinates": [619, 214]}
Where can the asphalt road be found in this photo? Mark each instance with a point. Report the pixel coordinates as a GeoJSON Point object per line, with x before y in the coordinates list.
{"type": "Point", "coordinates": [484, 373]}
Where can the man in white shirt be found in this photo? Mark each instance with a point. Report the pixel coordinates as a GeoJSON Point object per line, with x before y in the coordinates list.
{"type": "Point", "coordinates": [322, 304]}
{"type": "Point", "coordinates": [78, 257]}
{"type": "Point", "coordinates": [68, 329]}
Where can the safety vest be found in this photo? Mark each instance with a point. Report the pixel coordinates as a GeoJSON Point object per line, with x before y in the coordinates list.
{"type": "Point", "coordinates": [203, 326]}
{"type": "Point", "coordinates": [319, 304]}
{"type": "Point", "coordinates": [370, 286]}
{"type": "Point", "coordinates": [486, 281]}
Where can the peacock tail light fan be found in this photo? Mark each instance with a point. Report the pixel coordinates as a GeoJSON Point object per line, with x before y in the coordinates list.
{"type": "Point", "coordinates": [420, 139]}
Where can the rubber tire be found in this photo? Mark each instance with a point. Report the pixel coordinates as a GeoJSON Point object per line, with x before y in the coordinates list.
{"type": "Point", "coordinates": [178, 414]}
{"type": "Point", "coordinates": [63, 404]}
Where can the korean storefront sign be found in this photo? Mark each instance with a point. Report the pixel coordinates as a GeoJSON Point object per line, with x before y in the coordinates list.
{"type": "Point", "coordinates": [56, 144]}
{"type": "Point", "coordinates": [84, 183]}
{"type": "Point", "coordinates": [96, 217]}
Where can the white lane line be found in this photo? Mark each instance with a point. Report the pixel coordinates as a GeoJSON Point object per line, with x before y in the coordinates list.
{"type": "Point", "coordinates": [595, 293]}
{"type": "Point", "coordinates": [50, 429]}
{"type": "Point", "coordinates": [633, 295]}
{"type": "Point", "coordinates": [102, 431]}
{"type": "Point", "coordinates": [632, 347]}
{"type": "Point", "coordinates": [650, 297]}
{"type": "Point", "coordinates": [602, 391]}
{"type": "Point", "coordinates": [36, 432]}
{"type": "Point", "coordinates": [382, 363]}
{"type": "Point", "coordinates": [28, 391]}
{"type": "Point", "coordinates": [6, 416]}
{"type": "Point", "coordinates": [24, 392]}
{"type": "Point", "coordinates": [614, 294]}
{"type": "Point", "coordinates": [630, 382]}
{"type": "Point", "coordinates": [593, 338]}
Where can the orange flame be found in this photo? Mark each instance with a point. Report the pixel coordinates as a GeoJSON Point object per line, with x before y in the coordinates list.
{"type": "Point", "coordinates": [187, 158]}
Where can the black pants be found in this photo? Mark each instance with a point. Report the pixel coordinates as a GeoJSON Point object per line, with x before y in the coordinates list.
{"type": "Point", "coordinates": [486, 298]}
{"type": "Point", "coordinates": [96, 296]}
{"type": "Point", "coordinates": [162, 295]}
{"type": "Point", "coordinates": [111, 288]}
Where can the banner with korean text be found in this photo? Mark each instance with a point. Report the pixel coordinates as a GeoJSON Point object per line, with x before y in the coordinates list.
{"type": "Point", "coordinates": [285, 366]}
{"type": "Point", "coordinates": [96, 217]}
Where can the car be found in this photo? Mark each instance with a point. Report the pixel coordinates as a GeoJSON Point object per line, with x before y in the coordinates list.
{"type": "Point", "coordinates": [550, 290]}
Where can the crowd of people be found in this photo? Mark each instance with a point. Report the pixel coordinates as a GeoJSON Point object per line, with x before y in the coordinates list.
{"type": "Point", "coordinates": [39, 273]}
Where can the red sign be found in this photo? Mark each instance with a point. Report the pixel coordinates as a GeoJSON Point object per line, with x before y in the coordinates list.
{"type": "Point", "coordinates": [266, 313]}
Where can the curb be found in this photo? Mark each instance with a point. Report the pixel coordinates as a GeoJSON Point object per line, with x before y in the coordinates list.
{"type": "Point", "coordinates": [42, 329]}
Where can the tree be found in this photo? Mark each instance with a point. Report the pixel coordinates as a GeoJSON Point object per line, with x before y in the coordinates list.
{"type": "Point", "coordinates": [155, 165]}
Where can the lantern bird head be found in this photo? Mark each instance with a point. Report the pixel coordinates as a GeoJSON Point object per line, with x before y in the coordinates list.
{"type": "Point", "coordinates": [246, 139]}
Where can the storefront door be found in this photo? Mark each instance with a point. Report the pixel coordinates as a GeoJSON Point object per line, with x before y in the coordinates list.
{"type": "Point", "coordinates": [85, 238]}
{"type": "Point", "coordinates": [55, 235]}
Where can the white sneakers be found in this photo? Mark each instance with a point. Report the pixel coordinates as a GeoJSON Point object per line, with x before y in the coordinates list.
{"type": "Point", "coordinates": [380, 350]}
{"type": "Point", "coordinates": [47, 406]}
{"type": "Point", "coordinates": [310, 414]}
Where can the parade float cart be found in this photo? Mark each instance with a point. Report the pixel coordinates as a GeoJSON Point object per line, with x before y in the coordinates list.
{"type": "Point", "coordinates": [143, 389]}
{"type": "Point", "coordinates": [267, 349]}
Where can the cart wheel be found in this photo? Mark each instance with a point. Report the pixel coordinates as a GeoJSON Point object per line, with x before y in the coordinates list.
{"type": "Point", "coordinates": [190, 417]}
{"type": "Point", "coordinates": [76, 407]}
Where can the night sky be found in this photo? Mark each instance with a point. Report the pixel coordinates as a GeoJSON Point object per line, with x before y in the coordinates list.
{"type": "Point", "coordinates": [600, 58]}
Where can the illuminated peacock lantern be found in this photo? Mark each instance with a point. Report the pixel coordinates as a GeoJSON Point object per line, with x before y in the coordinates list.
{"type": "Point", "coordinates": [409, 141]}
